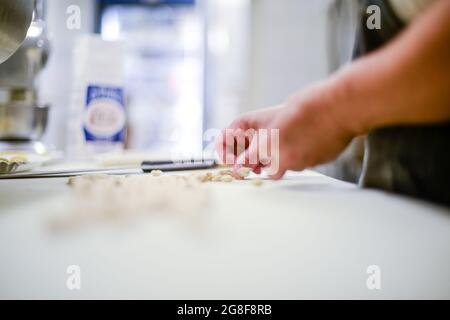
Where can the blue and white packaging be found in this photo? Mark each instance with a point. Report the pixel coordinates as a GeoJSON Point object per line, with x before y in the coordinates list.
{"type": "Point", "coordinates": [97, 116]}
{"type": "Point", "coordinates": [105, 115]}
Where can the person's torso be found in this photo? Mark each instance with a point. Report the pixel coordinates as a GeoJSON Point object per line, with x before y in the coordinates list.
{"type": "Point", "coordinates": [412, 160]}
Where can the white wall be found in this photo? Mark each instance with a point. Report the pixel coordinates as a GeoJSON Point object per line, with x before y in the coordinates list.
{"type": "Point", "coordinates": [288, 48]}
{"type": "Point", "coordinates": [270, 49]}
{"type": "Point", "coordinates": [227, 59]}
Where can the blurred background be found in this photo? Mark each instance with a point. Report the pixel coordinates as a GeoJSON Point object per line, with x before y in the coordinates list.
{"type": "Point", "coordinates": [187, 65]}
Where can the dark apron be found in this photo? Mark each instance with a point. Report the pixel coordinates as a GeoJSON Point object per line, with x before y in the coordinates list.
{"type": "Point", "coordinates": [411, 160]}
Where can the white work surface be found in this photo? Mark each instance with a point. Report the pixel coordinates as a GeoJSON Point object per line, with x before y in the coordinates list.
{"type": "Point", "coordinates": [308, 236]}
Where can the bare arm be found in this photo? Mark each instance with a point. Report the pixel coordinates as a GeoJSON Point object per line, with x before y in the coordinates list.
{"type": "Point", "coordinates": [406, 82]}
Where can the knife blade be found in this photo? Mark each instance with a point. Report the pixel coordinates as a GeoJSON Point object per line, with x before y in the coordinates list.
{"type": "Point", "coordinates": [146, 167]}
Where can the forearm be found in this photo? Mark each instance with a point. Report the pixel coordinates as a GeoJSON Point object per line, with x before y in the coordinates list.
{"type": "Point", "coordinates": [406, 82]}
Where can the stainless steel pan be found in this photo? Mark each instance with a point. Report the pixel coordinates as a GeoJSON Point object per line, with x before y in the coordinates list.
{"type": "Point", "coordinates": [15, 19]}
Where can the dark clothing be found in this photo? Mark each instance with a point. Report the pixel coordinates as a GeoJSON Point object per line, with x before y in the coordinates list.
{"type": "Point", "coordinates": [411, 160]}
{"type": "Point", "coordinates": [414, 161]}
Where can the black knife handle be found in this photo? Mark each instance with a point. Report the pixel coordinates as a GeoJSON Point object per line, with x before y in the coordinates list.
{"type": "Point", "coordinates": [148, 166]}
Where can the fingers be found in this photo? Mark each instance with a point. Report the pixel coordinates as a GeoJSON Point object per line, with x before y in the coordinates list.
{"type": "Point", "coordinates": [244, 143]}
{"type": "Point", "coordinates": [277, 173]}
{"type": "Point", "coordinates": [257, 170]}
{"type": "Point", "coordinates": [233, 141]}
{"type": "Point", "coordinates": [275, 166]}
{"type": "Point", "coordinates": [225, 147]}
{"type": "Point", "coordinates": [249, 157]}
{"type": "Point", "coordinates": [257, 150]}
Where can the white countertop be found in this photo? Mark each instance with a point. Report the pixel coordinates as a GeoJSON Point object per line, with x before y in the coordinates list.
{"type": "Point", "coordinates": [308, 236]}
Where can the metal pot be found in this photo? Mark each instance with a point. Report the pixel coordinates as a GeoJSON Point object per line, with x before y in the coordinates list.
{"type": "Point", "coordinates": [22, 116]}
{"type": "Point", "coordinates": [22, 122]}
{"type": "Point", "coordinates": [15, 19]}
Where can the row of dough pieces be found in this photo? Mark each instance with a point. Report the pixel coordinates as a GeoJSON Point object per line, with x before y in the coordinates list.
{"type": "Point", "coordinates": [226, 176]}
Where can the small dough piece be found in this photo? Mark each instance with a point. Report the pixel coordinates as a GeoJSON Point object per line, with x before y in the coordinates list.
{"type": "Point", "coordinates": [226, 172]}
{"type": "Point", "coordinates": [156, 173]}
{"type": "Point", "coordinates": [204, 177]}
{"type": "Point", "coordinates": [257, 182]}
{"type": "Point", "coordinates": [227, 178]}
{"type": "Point", "coordinates": [244, 172]}
{"type": "Point", "coordinates": [209, 176]}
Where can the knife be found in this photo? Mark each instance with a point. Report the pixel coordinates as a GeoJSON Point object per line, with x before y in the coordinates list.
{"type": "Point", "coordinates": [145, 167]}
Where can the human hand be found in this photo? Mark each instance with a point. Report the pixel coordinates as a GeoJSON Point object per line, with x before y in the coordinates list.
{"type": "Point", "coordinates": [310, 128]}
